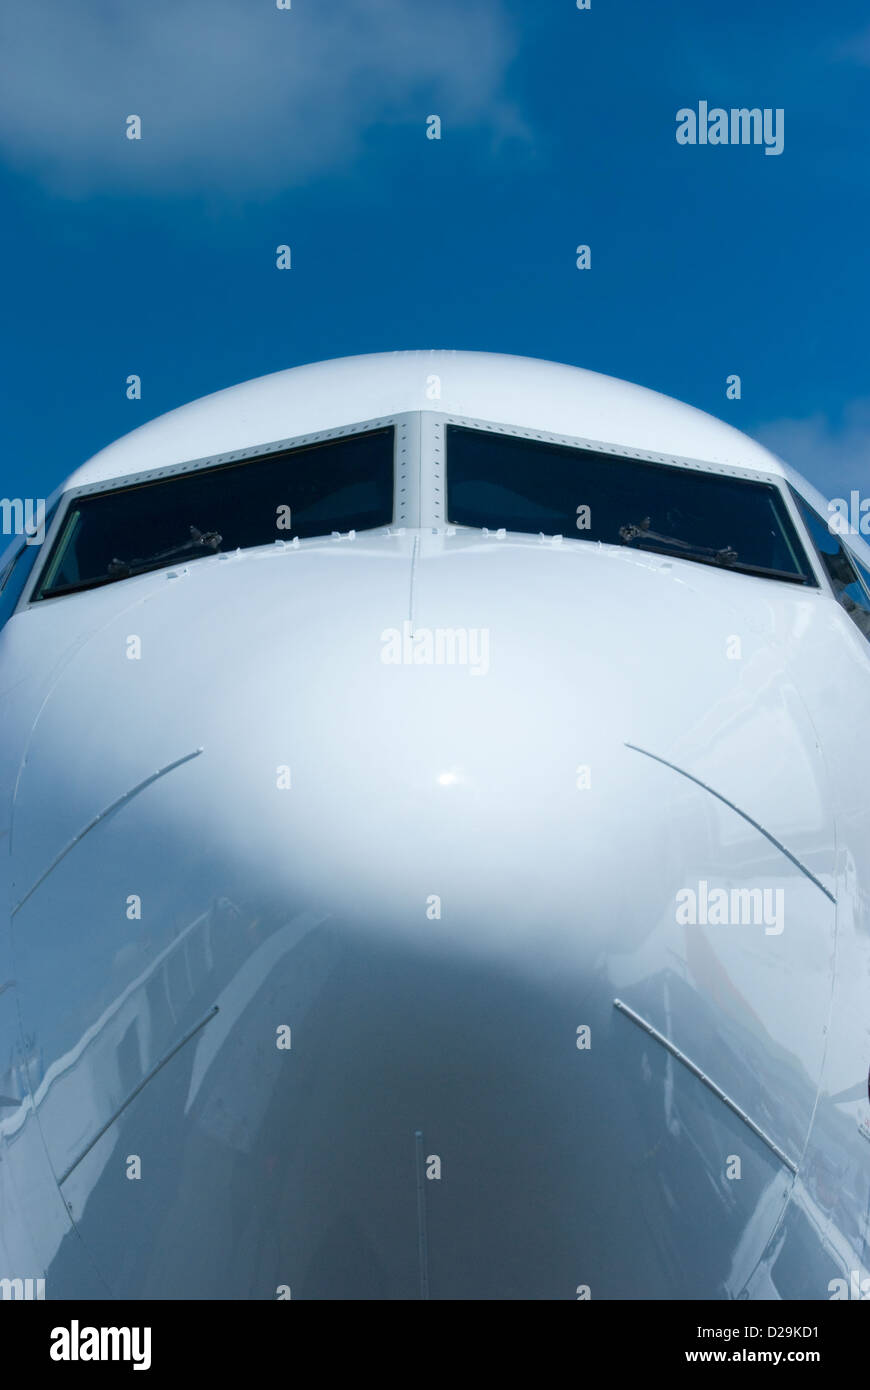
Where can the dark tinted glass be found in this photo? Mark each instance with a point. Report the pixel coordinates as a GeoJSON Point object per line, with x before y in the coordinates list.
{"type": "Point", "coordinates": [16, 572]}
{"type": "Point", "coordinates": [848, 580]}
{"type": "Point", "coordinates": [525, 485]}
{"type": "Point", "coordinates": [341, 485]}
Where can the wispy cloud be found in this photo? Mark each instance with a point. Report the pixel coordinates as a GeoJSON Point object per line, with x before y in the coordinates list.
{"type": "Point", "coordinates": [833, 456]}
{"type": "Point", "coordinates": [233, 93]}
{"type": "Point", "coordinates": [856, 49]}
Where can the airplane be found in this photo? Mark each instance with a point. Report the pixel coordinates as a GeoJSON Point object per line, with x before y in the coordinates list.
{"type": "Point", "coordinates": [435, 846]}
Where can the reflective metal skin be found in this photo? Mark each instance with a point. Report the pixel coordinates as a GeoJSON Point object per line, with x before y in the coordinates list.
{"type": "Point", "coordinates": [439, 878]}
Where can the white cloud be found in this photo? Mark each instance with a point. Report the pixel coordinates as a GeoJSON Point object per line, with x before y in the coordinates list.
{"type": "Point", "coordinates": [835, 457]}
{"type": "Point", "coordinates": [236, 93]}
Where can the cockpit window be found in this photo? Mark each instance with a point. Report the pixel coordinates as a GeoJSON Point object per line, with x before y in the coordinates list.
{"type": "Point", "coordinates": [13, 579]}
{"type": "Point", "coordinates": [17, 569]}
{"type": "Point", "coordinates": [339, 485]}
{"type": "Point", "coordinates": [849, 580]}
{"type": "Point", "coordinates": [524, 485]}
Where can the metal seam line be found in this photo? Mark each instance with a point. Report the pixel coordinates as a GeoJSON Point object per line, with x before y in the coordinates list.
{"type": "Point", "coordinates": [708, 1082]}
{"type": "Point", "coordinates": [414, 550]}
{"type": "Point", "coordinates": [719, 797]}
{"type": "Point", "coordinates": [422, 1241]}
{"type": "Point", "coordinates": [133, 1094]}
{"type": "Point", "coordinates": [103, 815]}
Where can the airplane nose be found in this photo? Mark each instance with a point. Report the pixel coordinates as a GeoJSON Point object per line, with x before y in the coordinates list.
{"type": "Point", "coordinates": [407, 847]}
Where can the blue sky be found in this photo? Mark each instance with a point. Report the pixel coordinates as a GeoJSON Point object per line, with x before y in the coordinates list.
{"type": "Point", "coordinates": [307, 127]}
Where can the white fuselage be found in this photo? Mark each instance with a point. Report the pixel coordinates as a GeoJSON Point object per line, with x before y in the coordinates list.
{"type": "Point", "coordinates": [434, 912]}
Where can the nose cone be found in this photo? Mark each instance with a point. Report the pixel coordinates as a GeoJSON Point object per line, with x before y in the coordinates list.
{"type": "Point", "coordinates": [401, 827]}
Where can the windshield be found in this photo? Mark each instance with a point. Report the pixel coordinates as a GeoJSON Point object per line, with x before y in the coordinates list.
{"type": "Point", "coordinates": [17, 570]}
{"type": "Point", "coordinates": [339, 485]}
{"type": "Point", "coordinates": [849, 580]}
{"type": "Point", "coordinates": [534, 487]}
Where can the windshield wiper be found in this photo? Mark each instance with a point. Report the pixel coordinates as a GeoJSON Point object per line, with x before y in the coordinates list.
{"type": "Point", "coordinates": [726, 556]}
{"type": "Point", "coordinates": [209, 541]}
{"type": "Point", "coordinates": [204, 543]}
